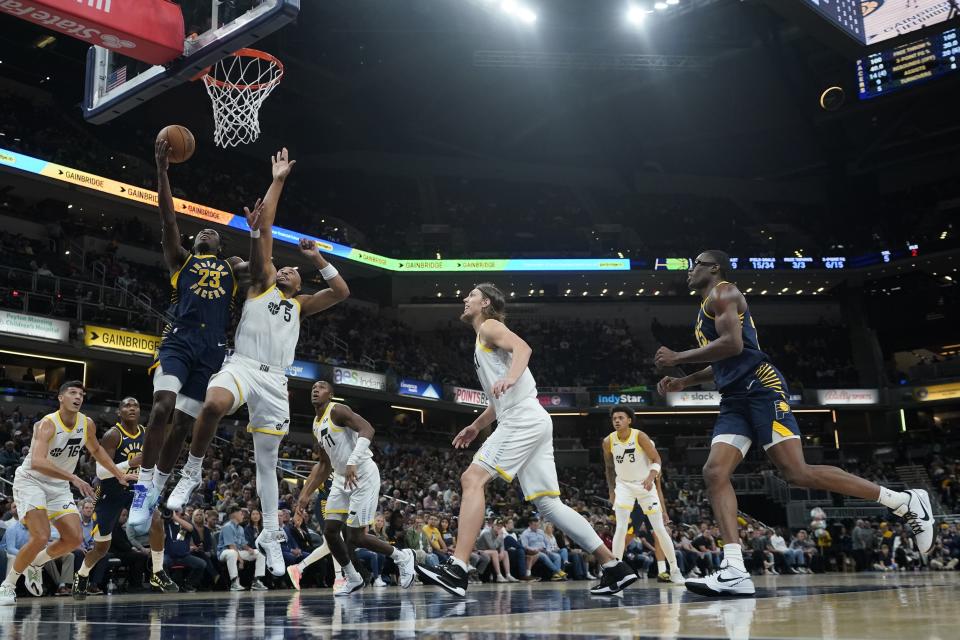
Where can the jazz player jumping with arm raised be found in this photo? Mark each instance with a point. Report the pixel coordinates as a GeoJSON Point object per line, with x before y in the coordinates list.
{"type": "Point", "coordinates": [41, 488]}
{"type": "Point", "coordinates": [521, 446]}
{"type": "Point", "coordinates": [345, 438]}
{"type": "Point", "coordinates": [633, 469]}
{"type": "Point", "coordinates": [753, 408]}
{"type": "Point", "coordinates": [204, 287]}
{"type": "Point", "coordinates": [265, 343]}
{"type": "Point", "coordinates": [123, 442]}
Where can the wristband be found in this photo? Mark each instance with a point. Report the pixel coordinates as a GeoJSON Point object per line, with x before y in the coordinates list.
{"type": "Point", "coordinates": [330, 272]}
{"type": "Point", "coordinates": [655, 467]}
{"type": "Point", "coordinates": [254, 233]}
{"type": "Point", "coordinates": [362, 447]}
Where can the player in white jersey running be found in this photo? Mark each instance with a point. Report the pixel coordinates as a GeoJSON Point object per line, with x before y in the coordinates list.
{"type": "Point", "coordinates": [521, 447]}
{"type": "Point", "coordinates": [345, 438]}
{"type": "Point", "coordinates": [632, 467]}
{"type": "Point", "coordinates": [254, 374]}
{"type": "Point", "coordinates": [41, 488]}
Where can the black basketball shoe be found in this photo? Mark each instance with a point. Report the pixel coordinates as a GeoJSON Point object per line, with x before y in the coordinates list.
{"type": "Point", "coordinates": [449, 575]}
{"type": "Point", "coordinates": [614, 580]}
{"type": "Point", "coordinates": [80, 586]}
{"type": "Point", "coordinates": [161, 582]}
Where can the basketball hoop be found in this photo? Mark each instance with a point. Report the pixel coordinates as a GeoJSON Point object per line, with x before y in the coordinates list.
{"type": "Point", "coordinates": [238, 85]}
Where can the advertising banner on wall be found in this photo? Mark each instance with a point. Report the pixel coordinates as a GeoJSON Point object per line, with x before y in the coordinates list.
{"type": "Point", "coordinates": [937, 392]}
{"type": "Point", "coordinates": [610, 399]}
{"type": "Point", "coordinates": [474, 397]}
{"type": "Point", "coordinates": [303, 370]}
{"type": "Point", "coordinates": [120, 340]}
{"type": "Point", "coordinates": [557, 400]}
{"type": "Point", "coordinates": [693, 398]}
{"type": "Point", "coordinates": [25, 325]}
{"type": "Point", "coordinates": [848, 396]}
{"type": "Point", "coordinates": [362, 379]}
{"type": "Point", "coordinates": [418, 388]}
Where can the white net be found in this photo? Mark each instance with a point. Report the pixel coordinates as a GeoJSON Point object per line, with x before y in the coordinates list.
{"type": "Point", "coordinates": [237, 86]}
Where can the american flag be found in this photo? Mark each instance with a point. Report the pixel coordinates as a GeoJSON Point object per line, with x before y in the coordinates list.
{"type": "Point", "coordinates": [117, 78]}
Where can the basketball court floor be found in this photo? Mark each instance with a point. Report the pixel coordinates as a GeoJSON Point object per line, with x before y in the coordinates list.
{"type": "Point", "coordinates": [914, 606]}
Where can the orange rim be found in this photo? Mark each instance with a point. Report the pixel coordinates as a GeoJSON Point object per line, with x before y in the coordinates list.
{"type": "Point", "coordinates": [248, 53]}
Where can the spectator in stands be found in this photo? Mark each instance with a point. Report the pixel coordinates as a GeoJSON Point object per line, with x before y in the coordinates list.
{"type": "Point", "coordinates": [431, 529]}
{"type": "Point", "coordinates": [534, 543]}
{"type": "Point", "coordinates": [515, 551]}
{"type": "Point", "coordinates": [131, 554]}
{"type": "Point", "coordinates": [177, 551]}
{"type": "Point", "coordinates": [807, 547]}
{"type": "Point", "coordinates": [905, 552]}
{"type": "Point", "coordinates": [884, 560]}
{"type": "Point", "coordinates": [201, 545]}
{"type": "Point", "coordinates": [417, 539]}
{"type": "Point", "coordinates": [234, 549]}
{"type": "Point", "coordinates": [490, 544]}
{"type": "Point", "coordinates": [9, 456]}
{"type": "Point", "coordinates": [786, 559]}
{"type": "Point", "coordinates": [864, 541]}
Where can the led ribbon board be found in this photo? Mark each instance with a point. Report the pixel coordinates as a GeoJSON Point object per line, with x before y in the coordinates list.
{"type": "Point", "coordinates": [185, 207]}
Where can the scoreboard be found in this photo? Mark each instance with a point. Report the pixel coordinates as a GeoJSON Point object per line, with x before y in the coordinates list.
{"type": "Point", "coordinates": [900, 67]}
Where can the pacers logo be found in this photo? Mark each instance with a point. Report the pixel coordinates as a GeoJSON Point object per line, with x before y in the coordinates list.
{"type": "Point", "coordinates": [781, 408]}
{"type": "Point", "coordinates": [208, 284]}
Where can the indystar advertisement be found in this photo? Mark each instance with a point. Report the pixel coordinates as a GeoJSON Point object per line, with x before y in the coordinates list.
{"type": "Point", "coordinates": [362, 379]}
{"type": "Point", "coordinates": [474, 397]}
{"type": "Point", "coordinates": [848, 396]}
{"type": "Point", "coordinates": [120, 340]}
{"type": "Point", "coordinates": [610, 399]}
{"type": "Point", "coordinates": [24, 325]}
{"type": "Point", "coordinates": [693, 398]}
{"type": "Point", "coordinates": [303, 370]}
{"type": "Point", "coordinates": [418, 388]}
{"type": "Point", "coordinates": [557, 400]}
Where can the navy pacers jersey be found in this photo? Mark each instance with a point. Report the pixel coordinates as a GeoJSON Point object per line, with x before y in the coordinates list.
{"type": "Point", "coordinates": [730, 370]}
{"type": "Point", "coordinates": [130, 445]}
{"type": "Point", "coordinates": [204, 289]}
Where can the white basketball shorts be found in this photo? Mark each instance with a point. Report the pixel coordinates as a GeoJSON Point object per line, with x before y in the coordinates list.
{"type": "Point", "coordinates": [357, 506]}
{"type": "Point", "coordinates": [51, 495]}
{"type": "Point", "coordinates": [627, 493]}
{"type": "Point", "coordinates": [262, 388]}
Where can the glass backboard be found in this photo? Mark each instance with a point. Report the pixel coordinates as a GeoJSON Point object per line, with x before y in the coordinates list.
{"type": "Point", "coordinates": [213, 29]}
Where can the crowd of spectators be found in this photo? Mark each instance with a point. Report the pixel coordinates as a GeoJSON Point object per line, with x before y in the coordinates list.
{"type": "Point", "coordinates": [212, 542]}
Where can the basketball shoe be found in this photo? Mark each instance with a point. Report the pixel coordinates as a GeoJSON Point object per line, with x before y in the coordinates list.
{"type": "Point", "coordinates": [614, 580]}
{"type": "Point", "coordinates": [918, 515]}
{"type": "Point", "coordinates": [729, 581]}
{"type": "Point", "coordinates": [182, 492]}
{"type": "Point", "coordinates": [145, 499]}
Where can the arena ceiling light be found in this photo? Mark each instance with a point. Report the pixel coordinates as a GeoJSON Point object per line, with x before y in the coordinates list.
{"type": "Point", "coordinates": [637, 15]}
{"type": "Point", "coordinates": [519, 11]}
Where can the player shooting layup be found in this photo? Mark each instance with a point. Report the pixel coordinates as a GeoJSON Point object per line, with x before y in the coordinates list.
{"type": "Point", "coordinates": [265, 343]}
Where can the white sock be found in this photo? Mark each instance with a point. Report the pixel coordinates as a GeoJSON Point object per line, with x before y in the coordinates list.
{"type": "Point", "coordinates": [350, 572]}
{"type": "Point", "coordinates": [193, 467]}
{"type": "Point", "coordinates": [892, 499]}
{"type": "Point", "coordinates": [42, 558]}
{"type": "Point", "coordinates": [84, 570]}
{"type": "Point", "coordinates": [610, 564]}
{"type": "Point", "coordinates": [157, 558]}
{"type": "Point", "coordinates": [317, 554]}
{"type": "Point", "coordinates": [12, 577]}
{"type": "Point", "coordinates": [661, 566]}
{"type": "Point", "coordinates": [733, 554]}
{"type": "Point", "coordinates": [460, 563]}
{"type": "Point", "coordinates": [160, 480]}
{"type": "Point", "coordinates": [146, 476]}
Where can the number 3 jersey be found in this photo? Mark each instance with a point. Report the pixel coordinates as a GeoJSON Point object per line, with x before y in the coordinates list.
{"type": "Point", "coordinates": [629, 460]}
{"type": "Point", "coordinates": [63, 449]}
{"type": "Point", "coordinates": [269, 328]}
{"type": "Point", "coordinates": [338, 441]}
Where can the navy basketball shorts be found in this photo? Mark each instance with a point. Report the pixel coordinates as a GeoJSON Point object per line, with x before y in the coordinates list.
{"type": "Point", "coordinates": [754, 409]}
{"type": "Point", "coordinates": [185, 362]}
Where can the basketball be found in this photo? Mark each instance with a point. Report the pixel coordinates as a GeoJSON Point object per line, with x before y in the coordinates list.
{"type": "Point", "coordinates": [182, 144]}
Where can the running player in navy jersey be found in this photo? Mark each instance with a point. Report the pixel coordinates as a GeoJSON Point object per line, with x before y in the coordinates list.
{"type": "Point", "coordinates": [123, 442]}
{"type": "Point", "coordinates": [754, 408]}
{"type": "Point", "coordinates": [194, 343]}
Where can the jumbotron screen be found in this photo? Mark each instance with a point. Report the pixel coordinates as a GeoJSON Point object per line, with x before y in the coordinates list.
{"type": "Point", "coordinates": [873, 21]}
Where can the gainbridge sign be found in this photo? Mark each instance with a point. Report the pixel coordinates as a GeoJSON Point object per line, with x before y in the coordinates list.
{"type": "Point", "coordinates": [120, 340]}
{"type": "Point", "coordinates": [148, 198]}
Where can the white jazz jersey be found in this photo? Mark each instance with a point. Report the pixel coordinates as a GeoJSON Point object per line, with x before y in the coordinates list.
{"type": "Point", "coordinates": [629, 459]}
{"type": "Point", "coordinates": [63, 449]}
{"type": "Point", "coordinates": [493, 364]}
{"type": "Point", "coordinates": [269, 328]}
{"type": "Point", "coordinates": [338, 441]}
